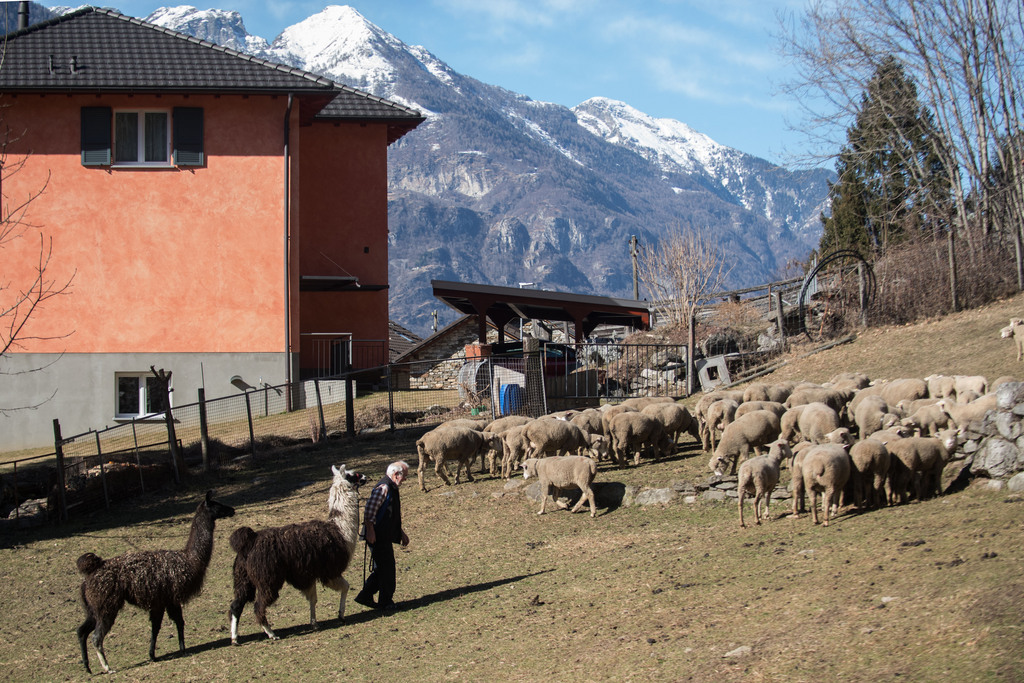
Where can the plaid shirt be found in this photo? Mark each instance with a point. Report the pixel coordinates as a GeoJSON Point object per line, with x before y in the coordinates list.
{"type": "Point", "coordinates": [377, 496]}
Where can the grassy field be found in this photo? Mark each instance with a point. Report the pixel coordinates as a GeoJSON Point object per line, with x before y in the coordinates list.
{"type": "Point", "coordinates": [489, 590]}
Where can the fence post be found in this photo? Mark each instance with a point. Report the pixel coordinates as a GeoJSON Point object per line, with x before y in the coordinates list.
{"type": "Point", "coordinates": [138, 457]}
{"type": "Point", "coordinates": [58, 448]}
{"type": "Point", "coordinates": [350, 410]}
{"type": "Point", "coordinates": [204, 431]}
{"type": "Point", "coordinates": [320, 409]}
{"type": "Point", "coordinates": [780, 318]}
{"type": "Point", "coordinates": [103, 471]}
{"type": "Point", "coordinates": [248, 418]}
{"type": "Point", "coordinates": [691, 363]}
{"type": "Point", "coordinates": [391, 398]}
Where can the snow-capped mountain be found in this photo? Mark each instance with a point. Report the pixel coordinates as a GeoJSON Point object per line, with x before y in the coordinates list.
{"type": "Point", "coordinates": [498, 188]}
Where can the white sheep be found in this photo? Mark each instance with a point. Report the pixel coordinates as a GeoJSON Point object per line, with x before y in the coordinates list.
{"type": "Point", "coordinates": [796, 482]}
{"type": "Point", "coordinates": [825, 469]}
{"type": "Point", "coordinates": [759, 476]}
{"type": "Point", "coordinates": [750, 406]}
{"type": "Point", "coordinates": [700, 411]}
{"type": "Point", "coordinates": [870, 460]}
{"type": "Point", "coordinates": [975, 383]}
{"type": "Point", "coordinates": [870, 415]}
{"type": "Point", "coordinates": [460, 444]}
{"type": "Point", "coordinates": [516, 446]}
{"type": "Point", "coordinates": [752, 431]}
{"type": "Point", "coordinates": [674, 418]}
{"type": "Point", "coordinates": [600, 447]}
{"type": "Point", "coordinates": [854, 379]}
{"type": "Point", "coordinates": [609, 411]}
{"type": "Point", "coordinates": [570, 471]}
{"type": "Point", "coordinates": [1016, 330]}
{"type": "Point", "coordinates": [902, 389]}
{"type": "Point", "coordinates": [919, 458]}
{"type": "Point", "coordinates": [503, 424]}
{"type": "Point", "coordinates": [817, 420]}
{"type": "Point", "coordinates": [941, 386]}
{"type": "Point", "coordinates": [720, 415]}
{"type": "Point", "coordinates": [633, 432]}
{"type": "Point", "coordinates": [962, 414]}
{"type": "Point", "coordinates": [833, 399]}
{"type": "Point", "coordinates": [589, 421]}
{"type": "Point", "coordinates": [554, 437]}
{"type": "Point", "coordinates": [927, 420]}
{"type": "Point", "coordinates": [776, 393]}
{"type": "Point", "coordinates": [789, 424]}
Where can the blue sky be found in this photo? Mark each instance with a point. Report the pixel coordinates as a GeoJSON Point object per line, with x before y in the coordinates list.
{"type": "Point", "coordinates": [712, 65]}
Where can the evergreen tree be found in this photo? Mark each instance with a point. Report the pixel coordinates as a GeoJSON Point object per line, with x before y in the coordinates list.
{"type": "Point", "coordinates": [891, 181]}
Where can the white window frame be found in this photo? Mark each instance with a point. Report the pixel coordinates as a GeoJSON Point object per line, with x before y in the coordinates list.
{"type": "Point", "coordinates": [143, 396]}
{"type": "Point", "coordinates": [167, 161]}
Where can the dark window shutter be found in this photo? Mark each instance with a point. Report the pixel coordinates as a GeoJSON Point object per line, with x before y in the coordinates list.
{"type": "Point", "coordinates": [188, 136]}
{"type": "Point", "coordinates": [96, 136]}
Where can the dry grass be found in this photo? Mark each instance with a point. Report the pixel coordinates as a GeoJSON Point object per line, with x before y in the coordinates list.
{"type": "Point", "coordinates": [489, 590]}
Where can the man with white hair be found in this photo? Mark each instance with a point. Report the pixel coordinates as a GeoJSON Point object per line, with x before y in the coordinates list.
{"type": "Point", "coordinates": [383, 522]}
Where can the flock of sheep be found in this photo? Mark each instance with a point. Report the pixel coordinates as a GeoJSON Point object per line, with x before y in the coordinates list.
{"type": "Point", "coordinates": [878, 442]}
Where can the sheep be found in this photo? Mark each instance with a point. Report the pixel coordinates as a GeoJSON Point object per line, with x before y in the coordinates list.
{"type": "Point", "coordinates": [816, 420]}
{"type": "Point", "coordinates": [155, 580]}
{"type": "Point", "coordinates": [675, 419]}
{"type": "Point", "coordinates": [751, 406]}
{"type": "Point", "coordinates": [962, 414]}
{"type": "Point", "coordinates": [555, 437]}
{"type": "Point", "coordinates": [753, 430]}
{"type": "Point", "coordinates": [901, 389]}
{"type": "Point", "coordinates": [453, 443]}
{"type": "Point", "coordinates": [871, 415]}
{"type": "Point", "coordinates": [759, 476]}
{"type": "Point", "coordinates": [503, 424]}
{"type": "Point", "coordinates": [921, 458]}
{"type": "Point", "coordinates": [841, 436]}
{"type": "Point", "coordinates": [1000, 381]}
{"type": "Point", "coordinates": [908, 407]}
{"type": "Point", "coordinates": [825, 469]}
{"type": "Point", "coordinates": [516, 446]}
{"type": "Point", "coordinates": [870, 473]}
{"type": "Point", "coordinates": [700, 412]}
{"type": "Point", "coordinates": [830, 397]}
{"type": "Point", "coordinates": [975, 383]}
{"type": "Point", "coordinates": [600, 447]}
{"type": "Point", "coordinates": [720, 414]}
{"type": "Point", "coordinates": [608, 412]}
{"type": "Point", "coordinates": [796, 483]}
{"type": "Point", "coordinates": [1016, 330]}
{"type": "Point", "coordinates": [299, 554]}
{"type": "Point", "coordinates": [776, 393]}
{"type": "Point", "coordinates": [789, 424]}
{"type": "Point", "coordinates": [468, 423]}
{"type": "Point", "coordinates": [941, 386]}
{"type": "Point", "coordinates": [927, 420]}
{"type": "Point", "coordinates": [897, 431]}
{"type": "Point", "coordinates": [589, 421]}
{"type": "Point", "coordinates": [636, 432]}
{"type": "Point", "coordinates": [854, 379]}
{"type": "Point", "coordinates": [569, 471]}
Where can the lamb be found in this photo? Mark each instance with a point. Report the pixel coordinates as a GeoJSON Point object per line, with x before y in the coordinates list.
{"type": "Point", "coordinates": [608, 412]}
{"type": "Point", "coordinates": [516, 446]}
{"type": "Point", "coordinates": [870, 473]}
{"type": "Point", "coordinates": [700, 411]}
{"type": "Point", "coordinates": [962, 414]}
{"type": "Point", "coordinates": [674, 418]}
{"type": "Point", "coordinates": [555, 437]}
{"type": "Point", "coordinates": [941, 386]}
{"type": "Point", "coordinates": [825, 469]}
{"type": "Point", "coordinates": [817, 420]}
{"type": "Point", "coordinates": [928, 420]}
{"type": "Point", "coordinates": [600, 447]}
{"type": "Point", "coordinates": [1016, 330]}
{"type": "Point", "coordinates": [570, 471]}
{"type": "Point", "coordinates": [921, 458]}
{"type": "Point", "coordinates": [155, 580]}
{"type": "Point", "coordinates": [873, 414]}
{"type": "Point", "coordinates": [759, 476]}
{"type": "Point", "coordinates": [299, 554]}
{"type": "Point", "coordinates": [720, 414]}
{"type": "Point", "coordinates": [750, 406]}
{"type": "Point", "coordinates": [975, 383]}
{"type": "Point", "coordinates": [636, 432]}
{"type": "Point", "coordinates": [753, 430]}
{"type": "Point", "coordinates": [453, 443]}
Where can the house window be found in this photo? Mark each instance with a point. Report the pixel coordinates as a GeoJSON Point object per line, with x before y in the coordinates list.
{"type": "Point", "coordinates": [142, 137]}
{"type": "Point", "coordinates": [131, 138]}
{"type": "Point", "coordinates": [139, 393]}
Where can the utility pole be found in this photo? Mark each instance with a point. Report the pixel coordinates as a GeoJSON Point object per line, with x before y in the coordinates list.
{"type": "Point", "coordinates": [634, 251]}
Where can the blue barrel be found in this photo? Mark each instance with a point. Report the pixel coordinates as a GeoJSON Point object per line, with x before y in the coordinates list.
{"type": "Point", "coordinates": [510, 399]}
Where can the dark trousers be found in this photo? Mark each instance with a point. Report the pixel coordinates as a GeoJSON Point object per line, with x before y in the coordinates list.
{"type": "Point", "coordinates": [382, 578]}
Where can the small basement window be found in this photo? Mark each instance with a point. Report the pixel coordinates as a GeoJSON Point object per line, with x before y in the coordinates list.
{"type": "Point", "coordinates": [138, 394]}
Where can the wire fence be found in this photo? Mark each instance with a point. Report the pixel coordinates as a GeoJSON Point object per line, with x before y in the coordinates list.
{"type": "Point", "coordinates": [92, 470]}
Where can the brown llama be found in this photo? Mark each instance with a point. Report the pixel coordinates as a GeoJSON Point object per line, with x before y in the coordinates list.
{"type": "Point", "coordinates": [155, 580]}
{"type": "Point", "coordinates": [300, 554]}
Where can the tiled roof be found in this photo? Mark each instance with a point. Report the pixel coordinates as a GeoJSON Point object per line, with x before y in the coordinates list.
{"type": "Point", "coordinates": [100, 50]}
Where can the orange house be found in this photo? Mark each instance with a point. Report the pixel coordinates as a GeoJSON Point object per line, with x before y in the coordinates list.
{"type": "Point", "coordinates": [216, 215]}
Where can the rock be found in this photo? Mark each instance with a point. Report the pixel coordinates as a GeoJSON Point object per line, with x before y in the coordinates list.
{"type": "Point", "coordinates": [1016, 483]}
{"type": "Point", "coordinates": [713, 494]}
{"type": "Point", "coordinates": [998, 458]}
{"type": "Point", "coordinates": [1007, 425]}
{"type": "Point", "coordinates": [1010, 395]}
{"type": "Point", "coordinates": [741, 651]}
{"type": "Point", "coordinates": [656, 496]}
{"type": "Point", "coordinates": [955, 474]}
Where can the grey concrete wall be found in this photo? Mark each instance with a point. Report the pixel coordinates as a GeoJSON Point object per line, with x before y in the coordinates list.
{"type": "Point", "coordinates": [79, 389]}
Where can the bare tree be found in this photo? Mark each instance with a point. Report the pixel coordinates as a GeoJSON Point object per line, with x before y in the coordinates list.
{"type": "Point", "coordinates": [24, 289]}
{"type": "Point", "coordinates": [966, 57]}
{"type": "Point", "coordinates": [681, 273]}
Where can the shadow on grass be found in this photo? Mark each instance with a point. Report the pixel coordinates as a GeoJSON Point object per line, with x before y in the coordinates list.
{"type": "Point", "coordinates": [350, 619]}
